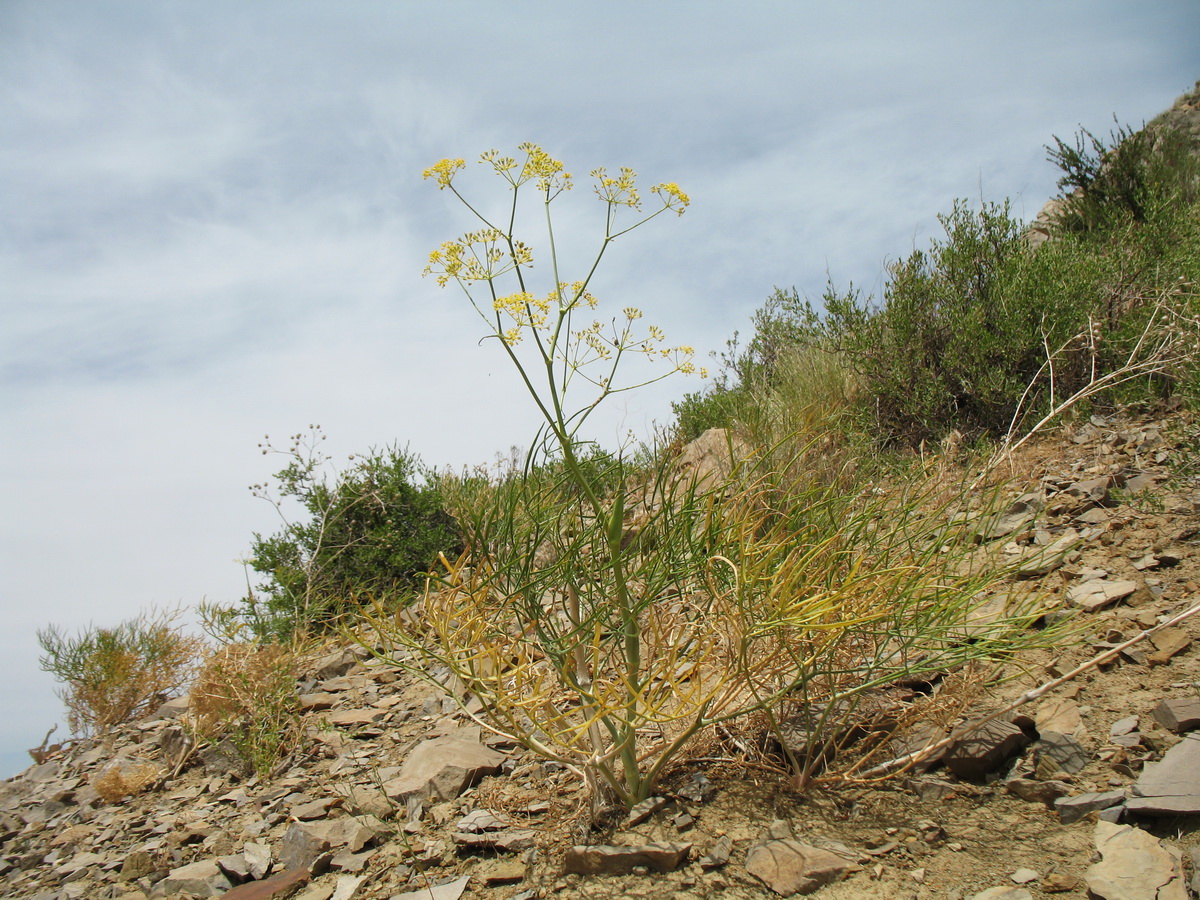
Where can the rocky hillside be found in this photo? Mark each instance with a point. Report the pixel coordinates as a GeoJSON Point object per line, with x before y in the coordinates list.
{"type": "Point", "coordinates": [1071, 772]}
{"type": "Point", "coordinates": [1093, 787]}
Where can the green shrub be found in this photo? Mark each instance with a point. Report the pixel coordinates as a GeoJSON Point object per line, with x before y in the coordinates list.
{"type": "Point", "coordinates": [374, 529]}
{"type": "Point", "coordinates": [717, 407]}
{"type": "Point", "coordinates": [113, 675]}
{"type": "Point", "coordinates": [1129, 178]}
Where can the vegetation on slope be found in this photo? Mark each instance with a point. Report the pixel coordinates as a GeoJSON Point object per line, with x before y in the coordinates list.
{"type": "Point", "coordinates": [608, 607]}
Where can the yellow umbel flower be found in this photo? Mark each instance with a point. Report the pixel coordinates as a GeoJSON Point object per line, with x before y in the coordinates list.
{"type": "Point", "coordinates": [545, 168]}
{"type": "Point", "coordinates": [443, 171]}
{"type": "Point", "coordinates": [672, 197]}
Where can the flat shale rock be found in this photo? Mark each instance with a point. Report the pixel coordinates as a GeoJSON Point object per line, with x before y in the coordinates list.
{"type": "Point", "coordinates": [201, 879]}
{"type": "Point", "coordinates": [985, 749]}
{"type": "Point", "coordinates": [1094, 595]}
{"type": "Point", "coordinates": [277, 887]}
{"type": "Point", "coordinates": [1178, 715]}
{"type": "Point", "coordinates": [1054, 752]}
{"type": "Point", "coordinates": [1135, 866]}
{"type": "Point", "coordinates": [608, 860]}
{"type": "Point", "coordinates": [1034, 791]}
{"type": "Point", "coordinates": [442, 768]}
{"type": "Point", "coordinates": [1171, 786]}
{"type": "Point", "coordinates": [790, 867]}
{"type": "Point", "coordinates": [1072, 809]}
{"type": "Point", "coordinates": [450, 890]}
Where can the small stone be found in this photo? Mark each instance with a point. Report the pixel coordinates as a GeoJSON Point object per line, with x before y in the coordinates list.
{"type": "Point", "coordinates": [1060, 715]}
{"type": "Point", "coordinates": [1058, 883]}
{"type": "Point", "coordinates": [137, 864]}
{"type": "Point", "coordinates": [1168, 643]}
{"type": "Point", "coordinates": [1095, 595]}
{"type": "Point", "coordinates": [449, 890]}
{"type": "Point", "coordinates": [1003, 893]}
{"type": "Point", "coordinates": [1058, 752]}
{"type": "Point", "coordinates": [644, 810]}
{"type": "Point", "coordinates": [301, 846]}
{"type": "Point", "coordinates": [985, 749]}
{"type": "Point", "coordinates": [201, 879]}
{"type": "Point", "coordinates": [480, 820]}
{"type": "Point", "coordinates": [277, 886]}
{"type": "Point", "coordinates": [1172, 785]}
{"type": "Point", "coordinates": [1023, 876]}
{"type": "Point", "coordinates": [1178, 715]}
{"type": "Point", "coordinates": [790, 867]}
{"type": "Point", "coordinates": [608, 860]}
{"type": "Point", "coordinates": [718, 854]}
{"type": "Point", "coordinates": [508, 871]}
{"type": "Point", "coordinates": [1072, 809]}
{"type": "Point", "coordinates": [1034, 791]}
{"type": "Point", "coordinates": [1124, 726]}
{"type": "Point", "coordinates": [442, 768]}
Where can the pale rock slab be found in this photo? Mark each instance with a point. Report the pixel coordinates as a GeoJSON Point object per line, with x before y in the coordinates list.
{"type": "Point", "coordinates": [790, 867]}
{"type": "Point", "coordinates": [1135, 866]}
{"type": "Point", "coordinates": [443, 768]}
{"type": "Point", "coordinates": [608, 860]}
{"type": "Point", "coordinates": [1172, 785]}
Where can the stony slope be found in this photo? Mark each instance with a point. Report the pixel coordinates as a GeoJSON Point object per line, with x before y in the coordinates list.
{"type": "Point", "coordinates": [395, 790]}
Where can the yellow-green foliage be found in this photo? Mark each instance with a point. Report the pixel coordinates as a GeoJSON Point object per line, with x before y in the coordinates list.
{"type": "Point", "coordinates": [113, 675]}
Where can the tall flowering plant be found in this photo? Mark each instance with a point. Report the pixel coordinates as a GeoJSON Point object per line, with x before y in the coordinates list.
{"type": "Point", "coordinates": [604, 613]}
{"type": "Point", "coordinates": [552, 614]}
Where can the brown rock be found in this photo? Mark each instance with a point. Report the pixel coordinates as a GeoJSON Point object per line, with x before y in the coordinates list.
{"type": "Point", "coordinates": [277, 887]}
{"type": "Point", "coordinates": [1094, 595]}
{"type": "Point", "coordinates": [443, 768]}
{"type": "Point", "coordinates": [449, 890]}
{"type": "Point", "coordinates": [1178, 715]}
{"type": "Point", "coordinates": [1171, 786]}
{"type": "Point", "coordinates": [607, 860]}
{"type": "Point", "coordinates": [302, 845]}
{"type": "Point", "coordinates": [790, 867]}
{"type": "Point", "coordinates": [201, 879]}
{"type": "Point", "coordinates": [985, 749]}
{"type": "Point", "coordinates": [1168, 643]}
{"type": "Point", "coordinates": [1037, 791]}
{"type": "Point", "coordinates": [1135, 865]}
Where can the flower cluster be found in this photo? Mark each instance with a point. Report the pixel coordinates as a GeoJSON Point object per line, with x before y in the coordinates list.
{"type": "Point", "coordinates": [539, 167]}
{"type": "Point", "coordinates": [620, 191]}
{"type": "Point", "coordinates": [525, 310]}
{"type": "Point", "coordinates": [443, 171]}
{"type": "Point", "coordinates": [672, 197]}
{"type": "Point", "coordinates": [477, 256]}
{"type": "Point", "coordinates": [491, 252]}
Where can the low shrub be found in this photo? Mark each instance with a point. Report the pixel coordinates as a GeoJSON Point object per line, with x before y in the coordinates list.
{"type": "Point", "coordinates": [246, 694]}
{"type": "Point", "coordinates": [113, 675]}
{"type": "Point", "coordinates": [373, 529]}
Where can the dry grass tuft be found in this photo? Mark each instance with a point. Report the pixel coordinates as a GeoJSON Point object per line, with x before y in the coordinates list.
{"type": "Point", "coordinates": [125, 778]}
{"type": "Point", "coordinates": [247, 693]}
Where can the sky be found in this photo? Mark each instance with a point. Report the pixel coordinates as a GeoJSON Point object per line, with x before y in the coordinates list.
{"type": "Point", "coordinates": [213, 226]}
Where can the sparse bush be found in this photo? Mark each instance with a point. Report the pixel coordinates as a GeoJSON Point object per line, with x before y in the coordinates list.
{"type": "Point", "coordinates": [1130, 178]}
{"type": "Point", "coordinates": [246, 694]}
{"type": "Point", "coordinates": [113, 675]}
